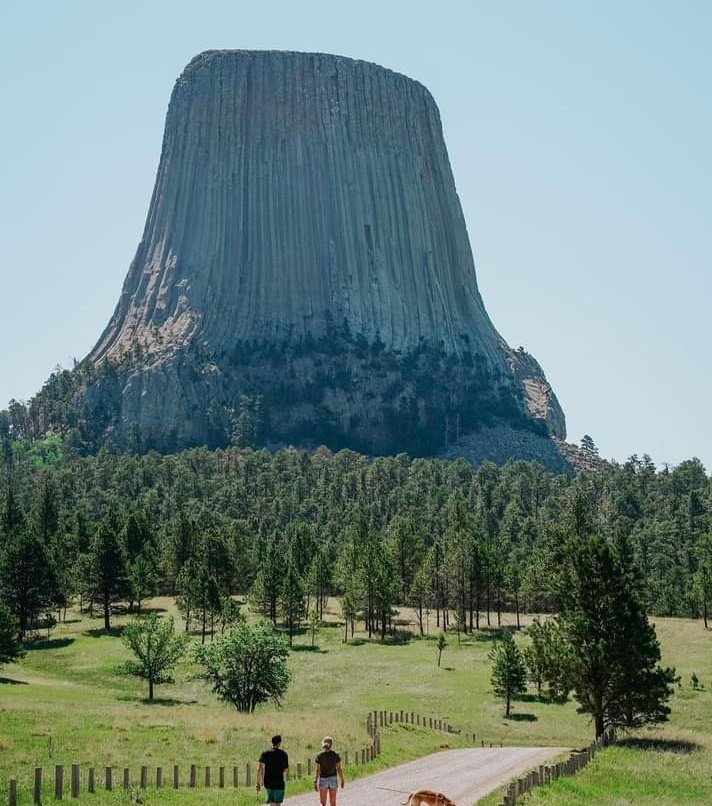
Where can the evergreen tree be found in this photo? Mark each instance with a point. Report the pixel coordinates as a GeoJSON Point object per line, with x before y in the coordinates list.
{"type": "Point", "coordinates": [10, 647]}
{"type": "Point", "coordinates": [350, 576]}
{"type": "Point", "coordinates": [230, 613]}
{"type": "Point", "coordinates": [107, 569]}
{"type": "Point", "coordinates": [588, 445]}
{"type": "Point", "coordinates": [200, 596]}
{"type": "Point", "coordinates": [702, 578]}
{"type": "Point", "coordinates": [407, 545]}
{"type": "Point", "coordinates": [143, 575]}
{"type": "Point", "coordinates": [616, 673]}
{"type": "Point", "coordinates": [292, 598]}
{"type": "Point", "coordinates": [441, 646]}
{"type": "Point", "coordinates": [420, 596]}
{"type": "Point", "coordinates": [549, 659]}
{"type": "Point", "coordinates": [509, 675]}
{"type": "Point", "coordinates": [320, 577]}
{"type": "Point", "coordinates": [27, 578]}
{"type": "Point", "coordinates": [313, 621]}
{"type": "Point", "coordinates": [267, 586]}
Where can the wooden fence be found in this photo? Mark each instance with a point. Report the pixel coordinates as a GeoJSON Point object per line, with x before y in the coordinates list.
{"type": "Point", "coordinates": [548, 773]}
{"type": "Point", "coordinates": [109, 778]}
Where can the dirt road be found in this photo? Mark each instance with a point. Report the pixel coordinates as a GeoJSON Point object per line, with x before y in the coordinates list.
{"type": "Point", "coordinates": [462, 775]}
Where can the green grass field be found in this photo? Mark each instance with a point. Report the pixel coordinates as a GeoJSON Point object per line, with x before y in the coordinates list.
{"type": "Point", "coordinates": [64, 703]}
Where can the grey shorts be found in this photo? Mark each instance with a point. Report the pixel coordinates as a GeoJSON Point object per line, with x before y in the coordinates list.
{"type": "Point", "coordinates": [329, 782]}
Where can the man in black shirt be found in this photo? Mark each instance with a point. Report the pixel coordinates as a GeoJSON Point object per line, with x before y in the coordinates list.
{"type": "Point", "coordinates": [272, 772]}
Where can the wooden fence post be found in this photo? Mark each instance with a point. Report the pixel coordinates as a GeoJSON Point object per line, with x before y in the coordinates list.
{"type": "Point", "coordinates": [108, 783]}
{"type": "Point", "coordinates": [221, 777]}
{"type": "Point", "coordinates": [207, 777]}
{"type": "Point", "coordinates": [248, 775]}
{"type": "Point", "coordinates": [193, 775]}
{"type": "Point", "coordinates": [176, 776]}
{"type": "Point", "coordinates": [346, 757]}
{"type": "Point", "coordinates": [234, 777]}
{"type": "Point", "coordinates": [37, 791]}
{"type": "Point", "coordinates": [12, 793]}
{"type": "Point", "coordinates": [299, 769]}
{"type": "Point", "coordinates": [309, 763]}
{"type": "Point", "coordinates": [58, 781]}
{"type": "Point", "coordinates": [74, 781]}
{"type": "Point", "coordinates": [90, 780]}
{"type": "Point", "coordinates": [143, 780]}
{"type": "Point", "coordinates": [159, 777]}
{"type": "Point", "coordinates": [74, 785]}
{"type": "Point", "coordinates": [127, 777]}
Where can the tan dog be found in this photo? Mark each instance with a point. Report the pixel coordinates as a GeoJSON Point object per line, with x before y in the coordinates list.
{"type": "Point", "coordinates": [427, 797]}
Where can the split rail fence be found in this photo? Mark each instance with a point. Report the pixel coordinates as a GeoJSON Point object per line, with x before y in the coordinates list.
{"type": "Point", "coordinates": [109, 778]}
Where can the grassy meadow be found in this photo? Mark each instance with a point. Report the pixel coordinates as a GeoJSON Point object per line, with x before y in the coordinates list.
{"type": "Point", "coordinates": [64, 703]}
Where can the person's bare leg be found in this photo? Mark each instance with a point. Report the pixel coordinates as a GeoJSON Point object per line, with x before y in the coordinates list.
{"type": "Point", "coordinates": [332, 797]}
{"type": "Point", "coordinates": [322, 797]}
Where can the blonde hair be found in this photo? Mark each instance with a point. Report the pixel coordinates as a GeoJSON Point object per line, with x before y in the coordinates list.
{"type": "Point", "coordinates": [327, 740]}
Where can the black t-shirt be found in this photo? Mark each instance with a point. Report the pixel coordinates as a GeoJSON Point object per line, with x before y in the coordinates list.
{"type": "Point", "coordinates": [276, 762]}
{"type": "Point", "coordinates": [327, 761]}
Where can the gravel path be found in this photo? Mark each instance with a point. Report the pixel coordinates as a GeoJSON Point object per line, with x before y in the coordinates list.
{"type": "Point", "coordinates": [462, 775]}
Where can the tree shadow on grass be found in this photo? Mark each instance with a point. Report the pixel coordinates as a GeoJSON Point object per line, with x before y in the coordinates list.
{"type": "Point", "coordinates": [492, 633]}
{"type": "Point", "coordinates": [147, 610]}
{"type": "Point", "coordinates": [523, 717]}
{"type": "Point", "coordinates": [114, 632]}
{"type": "Point", "coordinates": [8, 681]}
{"type": "Point", "coordinates": [662, 745]}
{"type": "Point", "coordinates": [397, 638]}
{"type": "Point", "coordinates": [308, 648]}
{"type": "Point", "coordinates": [164, 701]}
{"type": "Point", "coordinates": [167, 701]}
{"type": "Point", "coordinates": [48, 643]}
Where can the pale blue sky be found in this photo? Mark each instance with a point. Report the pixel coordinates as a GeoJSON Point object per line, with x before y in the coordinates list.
{"type": "Point", "coordinates": [579, 134]}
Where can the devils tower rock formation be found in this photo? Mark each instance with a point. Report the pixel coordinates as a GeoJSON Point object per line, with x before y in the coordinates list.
{"type": "Point", "coordinates": [305, 275]}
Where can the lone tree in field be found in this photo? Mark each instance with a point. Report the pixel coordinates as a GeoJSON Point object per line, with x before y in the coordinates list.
{"type": "Point", "coordinates": [10, 648]}
{"type": "Point", "coordinates": [615, 653]}
{"type": "Point", "coordinates": [509, 674]}
{"type": "Point", "coordinates": [246, 667]}
{"type": "Point", "coordinates": [442, 643]}
{"type": "Point", "coordinates": [155, 643]}
{"type": "Point", "coordinates": [313, 621]}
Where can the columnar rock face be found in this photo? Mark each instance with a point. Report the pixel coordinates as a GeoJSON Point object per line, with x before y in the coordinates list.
{"type": "Point", "coordinates": [305, 270]}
